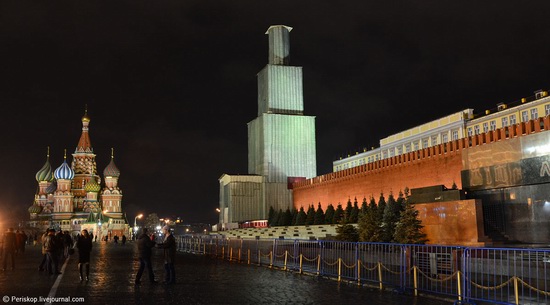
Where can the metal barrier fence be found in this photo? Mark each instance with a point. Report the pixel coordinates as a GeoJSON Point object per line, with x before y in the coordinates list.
{"type": "Point", "coordinates": [495, 275]}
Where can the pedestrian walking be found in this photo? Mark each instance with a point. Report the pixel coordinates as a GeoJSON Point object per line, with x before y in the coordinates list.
{"type": "Point", "coordinates": [20, 241]}
{"type": "Point", "coordinates": [123, 239]}
{"type": "Point", "coordinates": [43, 263]}
{"type": "Point", "coordinates": [84, 246]}
{"type": "Point", "coordinates": [144, 244]}
{"type": "Point", "coordinates": [9, 248]}
{"type": "Point", "coordinates": [51, 247]}
{"type": "Point", "coordinates": [169, 246]}
{"type": "Point", "coordinates": [67, 243]}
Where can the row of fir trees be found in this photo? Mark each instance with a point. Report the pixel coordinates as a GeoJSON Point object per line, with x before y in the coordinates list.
{"type": "Point", "coordinates": [395, 220]}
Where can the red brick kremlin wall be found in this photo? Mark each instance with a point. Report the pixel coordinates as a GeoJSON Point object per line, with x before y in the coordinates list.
{"type": "Point", "coordinates": [436, 165]}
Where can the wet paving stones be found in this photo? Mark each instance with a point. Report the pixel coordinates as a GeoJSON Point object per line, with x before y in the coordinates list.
{"type": "Point", "coordinates": [199, 280]}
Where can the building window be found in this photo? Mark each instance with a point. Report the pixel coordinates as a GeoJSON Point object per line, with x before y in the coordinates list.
{"type": "Point", "coordinates": [534, 114]}
{"type": "Point", "coordinates": [384, 155]}
{"type": "Point", "coordinates": [392, 152]}
{"type": "Point", "coordinates": [485, 127]}
{"type": "Point", "coordinates": [524, 116]}
{"type": "Point", "coordinates": [476, 129]}
{"type": "Point", "coordinates": [470, 133]}
{"type": "Point", "coordinates": [547, 110]}
{"type": "Point", "coordinates": [513, 119]}
{"type": "Point", "coordinates": [407, 147]}
{"type": "Point", "coordinates": [444, 138]}
{"type": "Point", "coordinates": [504, 121]}
{"type": "Point", "coordinates": [455, 135]}
{"type": "Point", "coordinates": [416, 145]}
{"type": "Point", "coordinates": [434, 140]}
{"type": "Point", "coordinates": [493, 125]}
{"type": "Point", "coordinates": [425, 143]}
{"type": "Point", "coordinates": [399, 150]}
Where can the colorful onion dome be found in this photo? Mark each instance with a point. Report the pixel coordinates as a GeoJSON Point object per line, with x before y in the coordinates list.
{"type": "Point", "coordinates": [64, 171]}
{"type": "Point", "coordinates": [111, 170]}
{"type": "Point", "coordinates": [52, 187]}
{"type": "Point", "coordinates": [35, 209]}
{"type": "Point", "coordinates": [45, 173]}
{"type": "Point", "coordinates": [92, 186]}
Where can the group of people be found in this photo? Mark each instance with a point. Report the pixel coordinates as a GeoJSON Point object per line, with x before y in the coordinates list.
{"type": "Point", "coordinates": [13, 242]}
{"type": "Point", "coordinates": [55, 248]}
{"type": "Point", "coordinates": [146, 242]}
{"type": "Point", "coordinates": [58, 246]}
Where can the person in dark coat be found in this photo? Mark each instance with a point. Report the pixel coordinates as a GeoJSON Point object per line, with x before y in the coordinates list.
{"type": "Point", "coordinates": [50, 247]}
{"type": "Point", "coordinates": [84, 246]}
{"type": "Point", "coordinates": [9, 247]}
{"type": "Point", "coordinates": [169, 246]}
{"type": "Point", "coordinates": [145, 244]}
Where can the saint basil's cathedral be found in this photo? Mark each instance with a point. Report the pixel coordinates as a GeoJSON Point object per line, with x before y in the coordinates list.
{"type": "Point", "coordinates": [71, 198]}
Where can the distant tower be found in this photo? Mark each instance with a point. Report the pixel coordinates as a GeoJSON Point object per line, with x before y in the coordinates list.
{"type": "Point", "coordinates": [63, 197]}
{"type": "Point", "coordinates": [281, 140]}
{"type": "Point", "coordinates": [84, 167]}
{"type": "Point", "coordinates": [111, 196]}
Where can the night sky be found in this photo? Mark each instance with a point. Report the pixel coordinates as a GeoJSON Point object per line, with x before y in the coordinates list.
{"type": "Point", "coordinates": [171, 85]}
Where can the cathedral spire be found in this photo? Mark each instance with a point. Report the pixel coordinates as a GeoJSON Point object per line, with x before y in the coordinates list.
{"type": "Point", "coordinates": [84, 144]}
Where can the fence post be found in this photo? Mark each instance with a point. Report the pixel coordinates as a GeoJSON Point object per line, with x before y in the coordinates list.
{"type": "Point", "coordinates": [318, 264]}
{"type": "Point", "coordinates": [516, 291]}
{"type": "Point", "coordinates": [301, 263]}
{"type": "Point", "coordinates": [339, 269]}
{"type": "Point", "coordinates": [259, 257]}
{"type": "Point", "coordinates": [415, 282]}
{"type": "Point", "coordinates": [359, 272]}
{"type": "Point", "coordinates": [223, 252]}
{"type": "Point", "coordinates": [380, 275]}
{"type": "Point", "coordinates": [248, 257]}
{"type": "Point", "coordinates": [231, 254]}
{"type": "Point", "coordinates": [286, 255]}
{"type": "Point", "coordinates": [270, 259]}
{"type": "Point", "coordinates": [459, 286]}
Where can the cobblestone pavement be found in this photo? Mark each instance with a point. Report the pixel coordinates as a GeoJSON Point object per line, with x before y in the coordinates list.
{"type": "Point", "coordinates": [200, 280]}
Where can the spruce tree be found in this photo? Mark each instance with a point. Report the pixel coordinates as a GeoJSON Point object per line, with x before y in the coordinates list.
{"type": "Point", "coordinates": [286, 219]}
{"type": "Point", "coordinates": [369, 224]}
{"type": "Point", "coordinates": [347, 212]}
{"type": "Point", "coordinates": [338, 214]}
{"type": "Point", "coordinates": [347, 232]}
{"type": "Point", "coordinates": [364, 207]}
{"type": "Point", "coordinates": [301, 217]}
{"type": "Point", "coordinates": [329, 214]}
{"type": "Point", "coordinates": [271, 216]}
{"type": "Point", "coordinates": [354, 216]}
{"type": "Point", "coordinates": [275, 221]}
{"type": "Point", "coordinates": [409, 227]}
{"type": "Point", "coordinates": [294, 214]}
{"type": "Point", "coordinates": [319, 216]}
{"type": "Point", "coordinates": [310, 215]}
{"type": "Point", "coordinates": [391, 216]}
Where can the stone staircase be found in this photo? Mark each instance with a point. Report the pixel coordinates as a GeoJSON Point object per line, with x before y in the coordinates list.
{"type": "Point", "coordinates": [311, 232]}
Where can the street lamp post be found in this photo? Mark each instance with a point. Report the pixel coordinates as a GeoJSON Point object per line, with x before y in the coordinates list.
{"type": "Point", "coordinates": [135, 224]}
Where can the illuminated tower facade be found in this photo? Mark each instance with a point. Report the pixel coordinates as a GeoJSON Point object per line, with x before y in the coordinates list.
{"type": "Point", "coordinates": [281, 141]}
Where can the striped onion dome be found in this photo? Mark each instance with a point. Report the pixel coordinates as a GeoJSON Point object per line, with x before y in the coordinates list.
{"type": "Point", "coordinates": [45, 173]}
{"type": "Point", "coordinates": [52, 187]}
{"type": "Point", "coordinates": [64, 172]}
{"type": "Point", "coordinates": [92, 186]}
{"type": "Point", "coordinates": [35, 209]}
{"type": "Point", "coordinates": [111, 170]}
